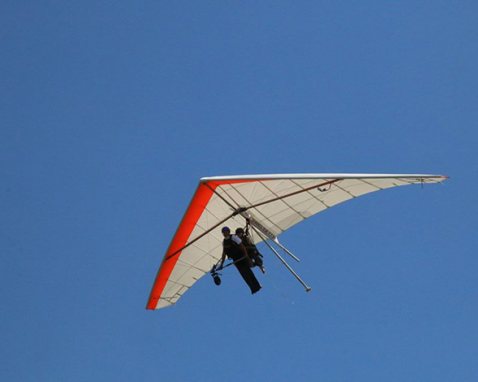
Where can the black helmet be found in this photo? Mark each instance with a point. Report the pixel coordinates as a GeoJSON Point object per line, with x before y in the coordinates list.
{"type": "Point", "coordinates": [239, 231]}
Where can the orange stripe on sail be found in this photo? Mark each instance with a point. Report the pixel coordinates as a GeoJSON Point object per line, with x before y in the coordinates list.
{"type": "Point", "coordinates": [193, 213]}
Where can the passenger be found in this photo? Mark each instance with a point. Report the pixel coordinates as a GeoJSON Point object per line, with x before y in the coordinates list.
{"type": "Point", "coordinates": [251, 249]}
{"type": "Point", "coordinates": [235, 250]}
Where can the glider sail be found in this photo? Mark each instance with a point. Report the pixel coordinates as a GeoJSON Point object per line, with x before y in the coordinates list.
{"type": "Point", "coordinates": [274, 202]}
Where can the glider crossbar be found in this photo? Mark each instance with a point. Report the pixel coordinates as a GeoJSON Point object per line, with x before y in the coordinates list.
{"type": "Point", "coordinates": [220, 196]}
{"type": "Point", "coordinates": [240, 210]}
{"type": "Point", "coordinates": [330, 182]}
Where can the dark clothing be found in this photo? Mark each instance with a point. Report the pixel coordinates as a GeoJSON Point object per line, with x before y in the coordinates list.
{"type": "Point", "coordinates": [252, 251]}
{"type": "Point", "coordinates": [248, 276]}
{"type": "Point", "coordinates": [232, 249]}
{"type": "Point", "coordinates": [234, 252]}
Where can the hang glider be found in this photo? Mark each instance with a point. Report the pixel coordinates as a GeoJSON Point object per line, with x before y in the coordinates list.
{"type": "Point", "coordinates": [274, 203]}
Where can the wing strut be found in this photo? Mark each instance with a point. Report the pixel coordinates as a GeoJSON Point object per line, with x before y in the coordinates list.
{"type": "Point", "coordinates": [276, 240]}
{"type": "Point", "coordinates": [252, 221]}
{"type": "Point", "coordinates": [307, 288]}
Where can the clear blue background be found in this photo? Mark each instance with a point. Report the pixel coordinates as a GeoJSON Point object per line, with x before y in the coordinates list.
{"type": "Point", "coordinates": [111, 111]}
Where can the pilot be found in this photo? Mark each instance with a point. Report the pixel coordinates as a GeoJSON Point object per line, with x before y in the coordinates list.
{"type": "Point", "coordinates": [234, 249]}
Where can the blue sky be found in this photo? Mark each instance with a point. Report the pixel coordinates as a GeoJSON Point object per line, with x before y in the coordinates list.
{"type": "Point", "coordinates": [111, 111]}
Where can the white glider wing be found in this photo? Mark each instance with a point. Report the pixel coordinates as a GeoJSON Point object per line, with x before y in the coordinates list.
{"type": "Point", "coordinates": [277, 202]}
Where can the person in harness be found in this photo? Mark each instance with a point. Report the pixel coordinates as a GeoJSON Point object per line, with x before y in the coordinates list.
{"type": "Point", "coordinates": [234, 249]}
{"type": "Point", "coordinates": [251, 248]}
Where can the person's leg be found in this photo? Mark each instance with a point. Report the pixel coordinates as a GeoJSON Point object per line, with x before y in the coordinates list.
{"type": "Point", "coordinates": [248, 276]}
